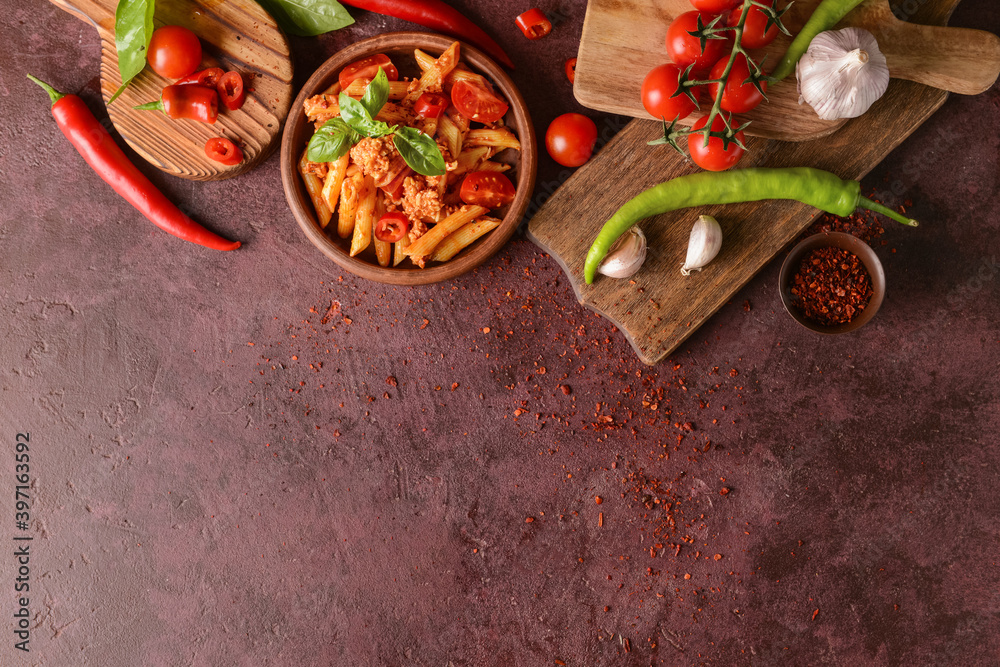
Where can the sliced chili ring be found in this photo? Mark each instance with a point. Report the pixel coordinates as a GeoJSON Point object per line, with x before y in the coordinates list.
{"type": "Point", "coordinates": [392, 227]}
{"type": "Point", "coordinates": [231, 90]}
{"type": "Point", "coordinates": [208, 78]}
{"type": "Point", "coordinates": [534, 24]}
{"type": "Point", "coordinates": [223, 150]}
{"type": "Point", "coordinates": [571, 70]}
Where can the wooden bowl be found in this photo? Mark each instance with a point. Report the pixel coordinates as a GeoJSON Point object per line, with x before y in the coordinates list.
{"type": "Point", "coordinates": [851, 244]}
{"type": "Point", "coordinates": [399, 46]}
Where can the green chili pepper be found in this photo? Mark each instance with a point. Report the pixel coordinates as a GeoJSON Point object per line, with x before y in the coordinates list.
{"type": "Point", "coordinates": [814, 187]}
{"type": "Point", "coordinates": [826, 16]}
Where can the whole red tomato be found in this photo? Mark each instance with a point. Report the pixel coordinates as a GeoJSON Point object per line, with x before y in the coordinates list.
{"type": "Point", "coordinates": [738, 97]}
{"type": "Point", "coordinates": [658, 89]}
{"type": "Point", "coordinates": [570, 139]}
{"type": "Point", "coordinates": [714, 157]}
{"type": "Point", "coordinates": [754, 35]}
{"type": "Point", "coordinates": [685, 49]}
{"type": "Point", "coordinates": [174, 52]}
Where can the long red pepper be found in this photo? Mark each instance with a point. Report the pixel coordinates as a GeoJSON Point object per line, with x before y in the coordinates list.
{"type": "Point", "coordinates": [104, 156]}
{"type": "Point", "coordinates": [436, 15]}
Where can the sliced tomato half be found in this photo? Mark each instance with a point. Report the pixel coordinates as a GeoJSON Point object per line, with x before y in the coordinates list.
{"type": "Point", "coordinates": [367, 68]}
{"type": "Point", "coordinates": [487, 188]}
{"type": "Point", "coordinates": [477, 103]}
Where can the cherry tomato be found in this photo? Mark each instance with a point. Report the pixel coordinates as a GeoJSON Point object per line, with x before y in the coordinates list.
{"type": "Point", "coordinates": [738, 97]}
{"type": "Point", "coordinates": [224, 151]}
{"type": "Point", "coordinates": [174, 52]}
{"type": "Point", "coordinates": [754, 36]}
{"type": "Point", "coordinates": [713, 157]}
{"type": "Point", "coordinates": [685, 49]}
{"type": "Point", "coordinates": [534, 24]}
{"type": "Point", "coordinates": [477, 103]}
{"type": "Point", "coordinates": [658, 87]}
{"type": "Point", "coordinates": [431, 105]}
{"type": "Point", "coordinates": [715, 6]}
{"type": "Point", "coordinates": [392, 227]}
{"type": "Point", "coordinates": [231, 92]}
{"type": "Point", "coordinates": [367, 68]}
{"type": "Point", "coordinates": [487, 188]}
{"type": "Point", "coordinates": [570, 139]}
{"type": "Point", "coordinates": [571, 70]}
{"type": "Point", "coordinates": [209, 78]}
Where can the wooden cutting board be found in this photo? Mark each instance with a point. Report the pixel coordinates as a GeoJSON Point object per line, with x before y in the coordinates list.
{"type": "Point", "coordinates": [662, 308]}
{"type": "Point", "coordinates": [235, 35]}
{"type": "Point", "coordinates": [623, 39]}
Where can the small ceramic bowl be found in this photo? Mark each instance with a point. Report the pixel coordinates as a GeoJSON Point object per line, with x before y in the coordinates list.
{"type": "Point", "coordinates": [399, 46]}
{"type": "Point", "coordinates": [846, 242]}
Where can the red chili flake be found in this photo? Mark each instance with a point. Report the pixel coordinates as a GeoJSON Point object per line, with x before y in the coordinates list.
{"type": "Point", "coordinates": [598, 500]}
{"type": "Point", "coordinates": [425, 323]}
{"type": "Point", "coordinates": [831, 286]}
{"type": "Point", "coordinates": [717, 557]}
{"type": "Point", "coordinates": [724, 491]}
{"type": "Point", "coordinates": [566, 389]}
{"type": "Point", "coordinates": [454, 386]}
{"type": "Point", "coordinates": [815, 614]}
{"type": "Point", "coordinates": [529, 519]}
{"type": "Point", "coordinates": [391, 381]}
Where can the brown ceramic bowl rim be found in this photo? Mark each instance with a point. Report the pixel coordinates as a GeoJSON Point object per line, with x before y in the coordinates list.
{"type": "Point", "coordinates": [846, 242]}
{"type": "Point", "coordinates": [293, 143]}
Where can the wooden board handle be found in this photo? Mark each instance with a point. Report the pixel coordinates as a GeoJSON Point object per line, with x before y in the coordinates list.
{"type": "Point", "coordinates": [959, 60]}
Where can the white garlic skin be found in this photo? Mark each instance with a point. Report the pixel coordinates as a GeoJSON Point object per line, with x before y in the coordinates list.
{"type": "Point", "coordinates": [626, 255]}
{"type": "Point", "coordinates": [842, 73]}
{"type": "Point", "coordinates": [703, 244]}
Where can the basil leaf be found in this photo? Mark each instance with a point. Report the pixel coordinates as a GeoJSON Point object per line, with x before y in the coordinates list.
{"type": "Point", "coordinates": [376, 94]}
{"type": "Point", "coordinates": [331, 141]}
{"type": "Point", "coordinates": [420, 151]}
{"type": "Point", "coordinates": [307, 18]}
{"type": "Point", "coordinates": [357, 116]}
{"type": "Point", "coordinates": [133, 30]}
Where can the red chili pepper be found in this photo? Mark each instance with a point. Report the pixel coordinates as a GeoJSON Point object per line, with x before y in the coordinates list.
{"type": "Point", "coordinates": [534, 24]}
{"type": "Point", "coordinates": [191, 102]}
{"type": "Point", "coordinates": [231, 90]}
{"type": "Point", "coordinates": [223, 150]}
{"type": "Point", "coordinates": [104, 156]}
{"type": "Point", "coordinates": [209, 78]}
{"type": "Point", "coordinates": [436, 15]}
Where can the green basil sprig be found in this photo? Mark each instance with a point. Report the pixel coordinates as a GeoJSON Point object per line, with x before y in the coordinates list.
{"type": "Point", "coordinates": [307, 18]}
{"type": "Point", "coordinates": [357, 119]}
{"type": "Point", "coordinates": [133, 30]}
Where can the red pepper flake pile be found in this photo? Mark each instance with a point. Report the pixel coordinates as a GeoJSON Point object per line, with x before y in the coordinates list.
{"type": "Point", "coordinates": [863, 224]}
{"type": "Point", "coordinates": [831, 286]}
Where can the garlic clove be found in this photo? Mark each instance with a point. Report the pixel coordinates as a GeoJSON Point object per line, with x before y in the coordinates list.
{"type": "Point", "coordinates": [626, 255]}
{"type": "Point", "coordinates": [842, 73]}
{"type": "Point", "coordinates": [704, 244]}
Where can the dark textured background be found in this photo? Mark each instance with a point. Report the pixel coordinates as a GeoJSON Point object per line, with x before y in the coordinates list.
{"type": "Point", "coordinates": [223, 478]}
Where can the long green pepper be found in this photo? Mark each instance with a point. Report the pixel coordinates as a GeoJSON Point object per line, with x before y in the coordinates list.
{"type": "Point", "coordinates": [814, 187]}
{"type": "Point", "coordinates": [824, 17]}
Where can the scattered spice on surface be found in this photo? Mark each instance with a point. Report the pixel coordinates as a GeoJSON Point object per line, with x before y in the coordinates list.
{"type": "Point", "coordinates": [831, 286]}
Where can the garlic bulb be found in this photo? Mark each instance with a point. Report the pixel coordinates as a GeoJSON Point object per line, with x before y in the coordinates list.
{"type": "Point", "coordinates": [626, 255]}
{"type": "Point", "coordinates": [703, 244]}
{"type": "Point", "coordinates": [842, 73]}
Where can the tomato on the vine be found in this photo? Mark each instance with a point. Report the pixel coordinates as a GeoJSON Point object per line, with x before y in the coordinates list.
{"type": "Point", "coordinates": [754, 35]}
{"type": "Point", "coordinates": [487, 188]}
{"type": "Point", "coordinates": [174, 52]}
{"type": "Point", "coordinates": [715, 6]}
{"type": "Point", "coordinates": [738, 97]}
{"type": "Point", "coordinates": [392, 227]}
{"type": "Point", "coordinates": [714, 157]}
{"type": "Point", "coordinates": [367, 68]}
{"type": "Point", "coordinates": [685, 49]}
{"type": "Point", "coordinates": [570, 139]}
{"type": "Point", "coordinates": [477, 103]}
{"type": "Point", "coordinates": [657, 90]}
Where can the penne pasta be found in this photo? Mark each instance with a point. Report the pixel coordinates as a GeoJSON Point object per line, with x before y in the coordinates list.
{"type": "Point", "coordinates": [463, 237]}
{"type": "Point", "coordinates": [397, 89]}
{"type": "Point", "coordinates": [314, 186]}
{"type": "Point", "coordinates": [461, 72]}
{"type": "Point", "coordinates": [350, 192]}
{"type": "Point", "coordinates": [383, 249]}
{"type": "Point", "coordinates": [366, 211]}
{"type": "Point", "coordinates": [500, 137]}
{"type": "Point", "coordinates": [334, 182]}
{"type": "Point", "coordinates": [493, 166]}
{"type": "Point", "coordinates": [399, 250]}
{"type": "Point", "coordinates": [420, 249]}
{"type": "Point", "coordinates": [433, 77]}
{"type": "Point", "coordinates": [333, 89]}
{"type": "Point", "coordinates": [470, 159]}
{"type": "Point", "coordinates": [321, 108]}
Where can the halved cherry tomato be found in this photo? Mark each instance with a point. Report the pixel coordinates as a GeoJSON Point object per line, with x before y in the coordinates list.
{"type": "Point", "coordinates": [477, 103]}
{"type": "Point", "coordinates": [430, 105]}
{"type": "Point", "coordinates": [738, 97]}
{"type": "Point", "coordinates": [713, 157]}
{"type": "Point", "coordinates": [571, 70]}
{"type": "Point", "coordinates": [209, 78]}
{"type": "Point", "coordinates": [534, 24]}
{"type": "Point", "coordinates": [367, 68]}
{"type": "Point", "coordinates": [392, 227]}
{"type": "Point", "coordinates": [658, 89]}
{"type": "Point", "coordinates": [754, 35]}
{"type": "Point", "coordinates": [223, 150]}
{"type": "Point", "coordinates": [570, 139]}
{"type": "Point", "coordinates": [231, 92]}
{"type": "Point", "coordinates": [715, 6]}
{"type": "Point", "coordinates": [685, 49]}
{"type": "Point", "coordinates": [487, 188]}
{"type": "Point", "coordinates": [174, 51]}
